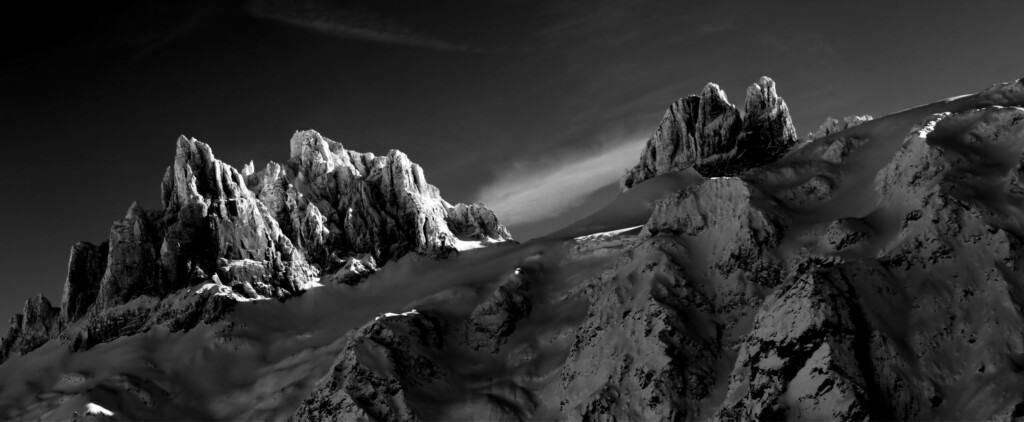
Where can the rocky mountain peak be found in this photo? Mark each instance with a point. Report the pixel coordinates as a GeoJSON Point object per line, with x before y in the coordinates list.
{"type": "Point", "coordinates": [710, 134]}
{"type": "Point", "coordinates": [713, 95]}
{"type": "Point", "coordinates": [381, 205]}
{"type": "Point", "coordinates": [718, 124]}
{"type": "Point", "coordinates": [327, 214]}
{"type": "Point", "coordinates": [832, 125]}
{"type": "Point", "coordinates": [762, 99]}
{"type": "Point", "coordinates": [196, 176]}
{"type": "Point", "coordinates": [314, 153]}
{"type": "Point", "coordinates": [768, 131]}
{"type": "Point", "coordinates": [34, 326]}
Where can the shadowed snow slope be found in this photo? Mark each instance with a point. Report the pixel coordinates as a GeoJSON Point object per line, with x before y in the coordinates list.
{"type": "Point", "coordinates": [873, 273]}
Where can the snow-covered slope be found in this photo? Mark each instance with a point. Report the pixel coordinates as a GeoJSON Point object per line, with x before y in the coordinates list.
{"type": "Point", "coordinates": [872, 273]}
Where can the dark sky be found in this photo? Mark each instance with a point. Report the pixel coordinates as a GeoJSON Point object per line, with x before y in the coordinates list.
{"type": "Point", "coordinates": [530, 106]}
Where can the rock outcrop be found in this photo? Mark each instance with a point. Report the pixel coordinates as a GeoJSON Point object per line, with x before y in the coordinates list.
{"type": "Point", "coordinates": [768, 131]}
{"type": "Point", "coordinates": [377, 205]}
{"type": "Point", "coordinates": [832, 125]}
{"type": "Point", "coordinates": [38, 322]}
{"type": "Point", "coordinates": [798, 362]}
{"type": "Point", "coordinates": [216, 225]}
{"type": "Point", "coordinates": [357, 388]}
{"type": "Point", "coordinates": [710, 134]}
{"type": "Point", "coordinates": [223, 235]}
{"type": "Point", "coordinates": [133, 262]}
{"type": "Point", "coordinates": [475, 222]}
{"type": "Point", "coordinates": [86, 267]}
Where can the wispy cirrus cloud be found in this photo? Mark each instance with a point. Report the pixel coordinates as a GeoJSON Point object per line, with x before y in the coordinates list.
{"type": "Point", "coordinates": [332, 19]}
{"type": "Point", "coordinates": [545, 188]}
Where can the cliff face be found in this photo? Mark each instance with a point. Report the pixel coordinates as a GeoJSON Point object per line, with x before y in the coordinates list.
{"type": "Point", "coordinates": [36, 324]}
{"type": "Point", "coordinates": [710, 134]}
{"type": "Point", "coordinates": [380, 205]}
{"type": "Point", "coordinates": [872, 273]}
{"type": "Point", "coordinates": [328, 215]}
{"type": "Point", "coordinates": [86, 266]}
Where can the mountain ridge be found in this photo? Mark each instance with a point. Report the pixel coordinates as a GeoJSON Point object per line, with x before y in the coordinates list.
{"type": "Point", "coordinates": [255, 234]}
{"type": "Point", "coordinates": [871, 273]}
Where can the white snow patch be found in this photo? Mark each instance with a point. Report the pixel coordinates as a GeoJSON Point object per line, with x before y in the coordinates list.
{"type": "Point", "coordinates": [95, 409]}
{"type": "Point", "coordinates": [465, 245]}
{"type": "Point", "coordinates": [392, 315]}
{"type": "Point", "coordinates": [222, 290]}
{"type": "Point", "coordinates": [607, 234]}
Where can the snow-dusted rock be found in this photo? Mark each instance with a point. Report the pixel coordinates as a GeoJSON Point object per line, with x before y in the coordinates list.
{"type": "Point", "coordinates": [211, 215]}
{"type": "Point", "coordinates": [206, 302]}
{"type": "Point", "coordinates": [352, 270]}
{"type": "Point", "coordinates": [493, 320]}
{"type": "Point", "coordinates": [475, 222]}
{"type": "Point", "coordinates": [359, 388]}
{"type": "Point", "coordinates": [382, 205]}
{"type": "Point", "coordinates": [798, 361]}
{"type": "Point", "coordinates": [721, 220]}
{"type": "Point", "coordinates": [847, 233]}
{"type": "Point", "coordinates": [832, 125]}
{"type": "Point", "coordinates": [301, 221]}
{"type": "Point", "coordinates": [657, 338]}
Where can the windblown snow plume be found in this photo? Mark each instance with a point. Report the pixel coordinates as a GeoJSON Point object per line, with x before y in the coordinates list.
{"type": "Point", "coordinates": [534, 191]}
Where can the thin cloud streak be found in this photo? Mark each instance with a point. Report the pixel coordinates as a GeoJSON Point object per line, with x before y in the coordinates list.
{"type": "Point", "coordinates": [330, 19]}
{"type": "Point", "coordinates": [543, 189]}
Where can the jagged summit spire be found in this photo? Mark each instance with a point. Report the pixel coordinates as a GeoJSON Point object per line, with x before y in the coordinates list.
{"type": "Point", "coordinates": [714, 92]}
{"type": "Point", "coordinates": [709, 133]}
{"type": "Point", "coordinates": [304, 139]}
{"type": "Point", "coordinates": [762, 97]}
{"type": "Point", "coordinates": [768, 131]}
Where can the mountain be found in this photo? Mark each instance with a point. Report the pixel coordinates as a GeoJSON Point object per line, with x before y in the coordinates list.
{"type": "Point", "coordinates": [872, 272]}
{"type": "Point", "coordinates": [708, 133]}
{"type": "Point", "coordinates": [832, 125]}
{"type": "Point", "coordinates": [225, 236]}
